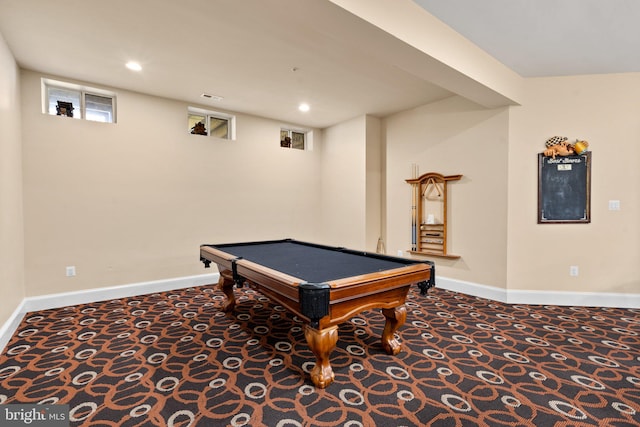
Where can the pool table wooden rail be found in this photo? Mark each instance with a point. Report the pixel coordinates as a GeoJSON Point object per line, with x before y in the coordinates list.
{"type": "Point", "coordinates": [347, 297]}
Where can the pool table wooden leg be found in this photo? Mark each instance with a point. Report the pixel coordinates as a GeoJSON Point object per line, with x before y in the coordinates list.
{"type": "Point", "coordinates": [322, 342]}
{"type": "Point", "coordinates": [226, 285]}
{"type": "Point", "coordinates": [395, 318]}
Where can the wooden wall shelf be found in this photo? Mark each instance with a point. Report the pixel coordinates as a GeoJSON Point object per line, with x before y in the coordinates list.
{"type": "Point", "coordinates": [436, 254]}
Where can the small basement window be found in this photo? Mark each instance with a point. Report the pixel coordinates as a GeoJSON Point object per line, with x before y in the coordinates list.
{"type": "Point", "coordinates": [211, 123]}
{"type": "Point", "coordinates": [79, 102]}
{"type": "Point", "coordinates": [290, 138]}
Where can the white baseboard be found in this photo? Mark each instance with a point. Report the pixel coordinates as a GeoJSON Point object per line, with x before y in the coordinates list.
{"type": "Point", "coordinates": [45, 302]}
{"type": "Point", "coordinates": [514, 296]}
{"type": "Point", "coordinates": [10, 326]}
{"type": "Point", "coordinates": [469, 288]}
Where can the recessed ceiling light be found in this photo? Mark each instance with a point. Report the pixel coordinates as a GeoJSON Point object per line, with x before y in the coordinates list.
{"type": "Point", "coordinates": [303, 107]}
{"type": "Point", "coordinates": [134, 66]}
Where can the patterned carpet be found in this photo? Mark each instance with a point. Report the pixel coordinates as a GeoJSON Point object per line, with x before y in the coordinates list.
{"type": "Point", "coordinates": [174, 359]}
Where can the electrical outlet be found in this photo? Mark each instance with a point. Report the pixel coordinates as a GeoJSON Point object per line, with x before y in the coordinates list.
{"type": "Point", "coordinates": [400, 252]}
{"type": "Point", "coordinates": [614, 205]}
{"type": "Point", "coordinates": [71, 271]}
{"type": "Point", "coordinates": [573, 270]}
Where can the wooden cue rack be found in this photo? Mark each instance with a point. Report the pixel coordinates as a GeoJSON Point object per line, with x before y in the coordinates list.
{"type": "Point", "coordinates": [429, 214]}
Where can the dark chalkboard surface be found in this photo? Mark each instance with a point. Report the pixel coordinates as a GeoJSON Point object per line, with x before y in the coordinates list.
{"type": "Point", "coordinates": [564, 189]}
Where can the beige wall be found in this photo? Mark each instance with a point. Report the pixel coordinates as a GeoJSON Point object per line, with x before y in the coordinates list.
{"type": "Point", "coordinates": [12, 286]}
{"type": "Point", "coordinates": [373, 177]}
{"type": "Point", "coordinates": [451, 137]}
{"type": "Point", "coordinates": [132, 201]}
{"type": "Point", "coordinates": [343, 184]}
{"type": "Point", "coordinates": [351, 177]}
{"type": "Point", "coordinates": [604, 110]}
{"type": "Point", "coordinates": [493, 209]}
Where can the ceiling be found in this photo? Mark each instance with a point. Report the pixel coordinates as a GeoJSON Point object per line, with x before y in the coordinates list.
{"type": "Point", "coordinates": [538, 38]}
{"type": "Point", "coordinates": [266, 57]}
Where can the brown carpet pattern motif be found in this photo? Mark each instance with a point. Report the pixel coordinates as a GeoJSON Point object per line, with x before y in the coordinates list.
{"type": "Point", "coordinates": [174, 359]}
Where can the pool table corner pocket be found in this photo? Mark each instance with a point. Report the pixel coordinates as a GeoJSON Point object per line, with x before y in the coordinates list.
{"type": "Point", "coordinates": [314, 301]}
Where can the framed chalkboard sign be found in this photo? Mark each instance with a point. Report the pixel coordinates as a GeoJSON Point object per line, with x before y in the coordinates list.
{"type": "Point", "coordinates": [564, 189]}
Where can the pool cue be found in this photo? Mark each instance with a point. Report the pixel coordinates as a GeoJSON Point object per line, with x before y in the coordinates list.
{"type": "Point", "coordinates": [414, 219]}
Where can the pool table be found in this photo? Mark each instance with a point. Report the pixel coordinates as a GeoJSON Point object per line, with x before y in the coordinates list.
{"type": "Point", "coordinates": [322, 285]}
